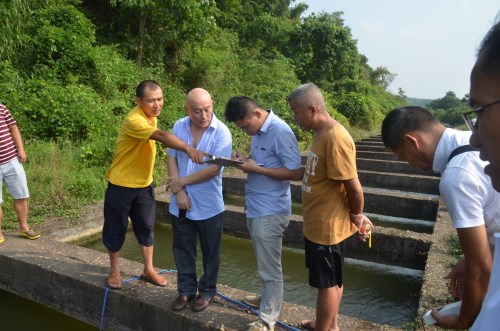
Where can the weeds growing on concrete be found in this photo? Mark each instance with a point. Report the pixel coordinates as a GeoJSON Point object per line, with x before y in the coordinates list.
{"type": "Point", "coordinates": [455, 249]}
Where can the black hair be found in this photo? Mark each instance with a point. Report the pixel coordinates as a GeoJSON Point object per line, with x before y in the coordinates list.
{"type": "Point", "coordinates": [400, 121]}
{"type": "Point", "coordinates": [489, 51]}
{"type": "Point", "coordinates": [239, 107]}
{"type": "Point", "coordinates": [150, 84]}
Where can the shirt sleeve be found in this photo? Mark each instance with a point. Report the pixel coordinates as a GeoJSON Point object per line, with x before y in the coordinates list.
{"type": "Point", "coordinates": [138, 127]}
{"type": "Point", "coordinates": [288, 150]}
{"type": "Point", "coordinates": [9, 119]}
{"type": "Point", "coordinates": [341, 156]}
{"type": "Point", "coordinates": [463, 192]}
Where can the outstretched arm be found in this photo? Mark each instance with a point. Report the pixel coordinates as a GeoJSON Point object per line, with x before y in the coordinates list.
{"type": "Point", "coordinates": [170, 140]}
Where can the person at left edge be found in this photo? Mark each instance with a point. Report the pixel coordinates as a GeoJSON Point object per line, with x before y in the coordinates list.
{"type": "Point", "coordinates": [197, 205]}
{"type": "Point", "coordinates": [12, 156]}
{"type": "Point", "coordinates": [130, 192]}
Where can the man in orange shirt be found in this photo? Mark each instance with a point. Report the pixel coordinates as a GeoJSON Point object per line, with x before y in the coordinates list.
{"type": "Point", "coordinates": [332, 202]}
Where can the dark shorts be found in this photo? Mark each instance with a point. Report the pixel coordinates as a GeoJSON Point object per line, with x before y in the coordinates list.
{"type": "Point", "coordinates": [325, 263]}
{"type": "Point", "coordinates": [120, 203]}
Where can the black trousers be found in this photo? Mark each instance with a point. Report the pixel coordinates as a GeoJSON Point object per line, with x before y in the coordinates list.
{"type": "Point", "coordinates": [186, 233]}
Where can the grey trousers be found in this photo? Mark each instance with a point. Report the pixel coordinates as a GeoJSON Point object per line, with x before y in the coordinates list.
{"type": "Point", "coordinates": [267, 234]}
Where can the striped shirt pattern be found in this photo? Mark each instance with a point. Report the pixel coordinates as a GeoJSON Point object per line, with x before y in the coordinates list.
{"type": "Point", "coordinates": [8, 150]}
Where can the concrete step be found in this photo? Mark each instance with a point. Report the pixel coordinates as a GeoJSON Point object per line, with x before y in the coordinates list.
{"type": "Point", "coordinates": [377, 155]}
{"type": "Point", "coordinates": [391, 167]}
{"type": "Point", "coordinates": [372, 139]}
{"type": "Point", "coordinates": [398, 181]}
{"type": "Point", "coordinates": [371, 147]}
{"type": "Point", "coordinates": [369, 143]}
{"type": "Point", "coordinates": [401, 204]}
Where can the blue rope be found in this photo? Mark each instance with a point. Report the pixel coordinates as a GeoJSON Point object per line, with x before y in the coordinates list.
{"type": "Point", "coordinates": [237, 303]}
{"type": "Point", "coordinates": [255, 312]}
{"type": "Point", "coordinates": [103, 307]}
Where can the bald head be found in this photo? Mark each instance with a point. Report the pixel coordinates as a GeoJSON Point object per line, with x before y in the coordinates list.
{"type": "Point", "coordinates": [199, 108]}
{"type": "Point", "coordinates": [197, 95]}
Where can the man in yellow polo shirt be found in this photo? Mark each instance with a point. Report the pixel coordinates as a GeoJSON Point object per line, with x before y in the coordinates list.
{"type": "Point", "coordinates": [130, 192]}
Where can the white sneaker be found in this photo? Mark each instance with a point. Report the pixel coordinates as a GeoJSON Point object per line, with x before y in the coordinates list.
{"type": "Point", "coordinates": [252, 301]}
{"type": "Point", "coordinates": [259, 326]}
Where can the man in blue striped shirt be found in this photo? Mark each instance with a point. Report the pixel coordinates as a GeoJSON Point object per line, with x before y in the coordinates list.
{"type": "Point", "coordinates": [274, 160]}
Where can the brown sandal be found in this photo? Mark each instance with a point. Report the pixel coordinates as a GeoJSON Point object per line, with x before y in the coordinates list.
{"type": "Point", "coordinates": [115, 281]}
{"type": "Point", "coordinates": [154, 279]}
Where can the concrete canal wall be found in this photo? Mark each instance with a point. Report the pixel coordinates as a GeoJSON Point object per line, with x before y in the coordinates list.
{"type": "Point", "coordinates": [71, 279]}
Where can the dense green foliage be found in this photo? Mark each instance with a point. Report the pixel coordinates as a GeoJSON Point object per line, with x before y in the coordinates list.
{"type": "Point", "coordinates": [69, 70]}
{"type": "Point", "coordinates": [449, 109]}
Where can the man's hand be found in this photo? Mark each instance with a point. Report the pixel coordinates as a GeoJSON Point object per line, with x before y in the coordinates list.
{"type": "Point", "coordinates": [364, 225]}
{"type": "Point", "coordinates": [174, 184]}
{"type": "Point", "coordinates": [196, 155]}
{"type": "Point", "coordinates": [183, 201]}
{"type": "Point", "coordinates": [249, 166]}
{"type": "Point", "coordinates": [21, 156]}
{"type": "Point", "coordinates": [238, 157]}
{"type": "Point", "coordinates": [456, 280]}
{"type": "Point", "coordinates": [447, 321]}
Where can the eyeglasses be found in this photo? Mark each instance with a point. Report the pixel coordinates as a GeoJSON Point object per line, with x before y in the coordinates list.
{"type": "Point", "coordinates": [470, 117]}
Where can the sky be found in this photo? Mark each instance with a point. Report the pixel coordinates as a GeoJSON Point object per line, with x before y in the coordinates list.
{"type": "Point", "coordinates": [430, 45]}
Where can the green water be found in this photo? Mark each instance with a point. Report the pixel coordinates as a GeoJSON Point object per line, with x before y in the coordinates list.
{"type": "Point", "coordinates": [19, 314]}
{"type": "Point", "coordinates": [370, 293]}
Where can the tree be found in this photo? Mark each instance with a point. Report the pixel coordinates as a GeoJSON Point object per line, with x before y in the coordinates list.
{"type": "Point", "coordinates": [449, 101]}
{"type": "Point", "coordinates": [153, 32]}
{"type": "Point", "coordinates": [449, 109]}
{"type": "Point", "coordinates": [401, 93]}
{"type": "Point", "coordinates": [143, 7]}
{"type": "Point", "coordinates": [13, 15]}
{"type": "Point", "coordinates": [58, 43]}
{"type": "Point", "coordinates": [322, 49]}
{"type": "Point", "coordinates": [382, 77]}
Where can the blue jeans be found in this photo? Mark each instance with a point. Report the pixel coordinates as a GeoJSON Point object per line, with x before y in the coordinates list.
{"type": "Point", "coordinates": [185, 232]}
{"type": "Point", "coordinates": [267, 234]}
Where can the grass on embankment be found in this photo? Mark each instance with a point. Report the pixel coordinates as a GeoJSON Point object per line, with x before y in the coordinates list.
{"type": "Point", "coordinates": [58, 181]}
